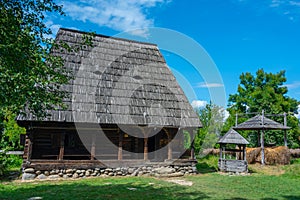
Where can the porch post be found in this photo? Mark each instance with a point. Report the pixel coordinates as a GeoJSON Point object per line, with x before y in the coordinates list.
{"type": "Point", "coordinates": [146, 148]}
{"type": "Point", "coordinates": [28, 146]}
{"type": "Point", "coordinates": [192, 157]}
{"type": "Point", "coordinates": [93, 148]}
{"type": "Point", "coordinates": [192, 151]}
{"type": "Point", "coordinates": [258, 138]}
{"type": "Point", "coordinates": [170, 151]}
{"type": "Point", "coordinates": [285, 138]}
{"type": "Point", "coordinates": [62, 146]}
{"type": "Point", "coordinates": [220, 151]}
{"type": "Point", "coordinates": [262, 140]}
{"type": "Point", "coordinates": [170, 157]}
{"type": "Point", "coordinates": [244, 152]}
{"type": "Point", "coordinates": [120, 151]}
{"type": "Point", "coordinates": [262, 148]}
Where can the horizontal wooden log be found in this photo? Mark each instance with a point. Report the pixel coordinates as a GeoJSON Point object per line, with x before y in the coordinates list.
{"type": "Point", "coordinates": [12, 152]}
{"type": "Point", "coordinates": [233, 165]}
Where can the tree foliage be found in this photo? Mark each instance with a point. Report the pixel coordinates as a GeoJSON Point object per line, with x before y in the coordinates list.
{"type": "Point", "coordinates": [11, 133]}
{"type": "Point", "coordinates": [264, 91]}
{"type": "Point", "coordinates": [30, 77]}
{"type": "Point", "coordinates": [212, 119]}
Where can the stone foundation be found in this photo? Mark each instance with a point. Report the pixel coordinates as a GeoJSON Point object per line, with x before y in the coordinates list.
{"type": "Point", "coordinates": [150, 170]}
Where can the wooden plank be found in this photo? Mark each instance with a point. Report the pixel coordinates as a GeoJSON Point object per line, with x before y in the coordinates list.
{"type": "Point", "coordinates": [262, 148]}
{"type": "Point", "coordinates": [13, 152]}
{"type": "Point", "coordinates": [93, 148]}
{"type": "Point", "coordinates": [233, 165]}
{"type": "Point", "coordinates": [120, 148]}
{"type": "Point", "coordinates": [29, 139]}
{"type": "Point", "coordinates": [146, 148]}
{"type": "Point", "coordinates": [62, 147]}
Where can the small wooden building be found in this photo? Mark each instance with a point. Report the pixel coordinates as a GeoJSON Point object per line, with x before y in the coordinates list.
{"type": "Point", "coordinates": [125, 108]}
{"type": "Point", "coordinates": [228, 144]}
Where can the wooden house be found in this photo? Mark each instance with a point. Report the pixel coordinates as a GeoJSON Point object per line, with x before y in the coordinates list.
{"type": "Point", "coordinates": [125, 108]}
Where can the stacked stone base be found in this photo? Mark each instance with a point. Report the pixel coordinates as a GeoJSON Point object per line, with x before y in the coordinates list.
{"type": "Point", "coordinates": [150, 170]}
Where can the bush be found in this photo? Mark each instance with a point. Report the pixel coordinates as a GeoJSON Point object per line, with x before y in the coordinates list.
{"type": "Point", "coordinates": [14, 161]}
{"type": "Point", "coordinates": [295, 161]}
{"type": "Point", "coordinates": [8, 162]}
{"type": "Point", "coordinates": [208, 164]}
{"type": "Point", "coordinates": [3, 163]}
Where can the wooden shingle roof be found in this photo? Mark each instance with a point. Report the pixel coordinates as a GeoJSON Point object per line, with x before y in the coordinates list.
{"type": "Point", "coordinates": [119, 81]}
{"type": "Point", "coordinates": [232, 137]}
{"type": "Point", "coordinates": [259, 122]}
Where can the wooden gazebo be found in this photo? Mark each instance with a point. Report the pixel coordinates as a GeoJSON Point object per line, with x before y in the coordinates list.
{"type": "Point", "coordinates": [261, 124]}
{"type": "Point", "coordinates": [239, 164]}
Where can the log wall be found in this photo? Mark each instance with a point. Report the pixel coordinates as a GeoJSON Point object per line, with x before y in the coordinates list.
{"type": "Point", "coordinates": [233, 165]}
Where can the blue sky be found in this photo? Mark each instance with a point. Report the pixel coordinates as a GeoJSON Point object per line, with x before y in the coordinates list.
{"type": "Point", "coordinates": [239, 35]}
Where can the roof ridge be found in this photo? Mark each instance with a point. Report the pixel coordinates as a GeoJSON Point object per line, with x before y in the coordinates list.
{"type": "Point", "coordinates": [106, 36]}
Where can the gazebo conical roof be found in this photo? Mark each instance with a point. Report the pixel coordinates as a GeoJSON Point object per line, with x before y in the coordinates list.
{"type": "Point", "coordinates": [260, 122]}
{"type": "Point", "coordinates": [232, 137]}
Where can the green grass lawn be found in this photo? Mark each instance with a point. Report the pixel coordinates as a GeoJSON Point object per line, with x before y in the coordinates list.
{"type": "Point", "coordinates": [264, 183]}
{"type": "Point", "coordinates": [205, 186]}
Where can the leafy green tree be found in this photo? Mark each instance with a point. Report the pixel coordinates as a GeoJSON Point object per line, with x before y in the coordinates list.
{"type": "Point", "coordinates": [264, 91]}
{"type": "Point", "coordinates": [212, 119]}
{"type": "Point", "coordinates": [30, 77]}
{"type": "Point", "coordinates": [11, 133]}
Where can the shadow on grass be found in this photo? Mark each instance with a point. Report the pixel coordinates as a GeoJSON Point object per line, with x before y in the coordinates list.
{"type": "Point", "coordinates": [204, 168]}
{"type": "Point", "coordinates": [109, 189]}
{"type": "Point", "coordinates": [291, 197]}
{"type": "Point", "coordinates": [10, 175]}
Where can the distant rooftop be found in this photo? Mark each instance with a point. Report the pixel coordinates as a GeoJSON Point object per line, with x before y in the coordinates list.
{"type": "Point", "coordinates": [259, 122]}
{"type": "Point", "coordinates": [232, 137]}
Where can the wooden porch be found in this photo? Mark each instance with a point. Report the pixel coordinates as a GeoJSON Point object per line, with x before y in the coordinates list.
{"type": "Point", "coordinates": [47, 148]}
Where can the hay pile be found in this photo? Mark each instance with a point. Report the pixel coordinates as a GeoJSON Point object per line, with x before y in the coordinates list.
{"type": "Point", "coordinates": [275, 155]}
{"type": "Point", "coordinates": [211, 151]}
{"type": "Point", "coordinates": [253, 155]}
{"type": "Point", "coordinates": [295, 153]}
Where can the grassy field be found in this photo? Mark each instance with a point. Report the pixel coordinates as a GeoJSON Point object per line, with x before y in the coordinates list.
{"type": "Point", "coordinates": [267, 183]}
{"type": "Point", "coordinates": [264, 183]}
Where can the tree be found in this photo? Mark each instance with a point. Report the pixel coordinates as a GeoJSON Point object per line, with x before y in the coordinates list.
{"type": "Point", "coordinates": [265, 91]}
{"type": "Point", "coordinates": [212, 119]}
{"type": "Point", "coordinates": [30, 77]}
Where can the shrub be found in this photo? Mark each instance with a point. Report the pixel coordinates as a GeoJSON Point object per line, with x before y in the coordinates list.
{"type": "Point", "coordinates": [3, 163]}
{"type": "Point", "coordinates": [207, 164]}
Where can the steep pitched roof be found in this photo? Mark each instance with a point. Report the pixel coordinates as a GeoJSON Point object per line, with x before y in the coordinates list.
{"type": "Point", "coordinates": [119, 81]}
{"type": "Point", "coordinates": [259, 122]}
{"type": "Point", "coordinates": [232, 137]}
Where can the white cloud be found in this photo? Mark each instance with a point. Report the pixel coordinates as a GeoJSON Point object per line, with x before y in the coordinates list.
{"type": "Point", "coordinates": [275, 3]}
{"type": "Point", "coordinates": [294, 3]}
{"type": "Point", "coordinates": [209, 85]}
{"type": "Point", "coordinates": [288, 8]}
{"type": "Point", "coordinates": [225, 114]}
{"type": "Point", "coordinates": [293, 85]}
{"type": "Point", "coordinates": [116, 14]}
{"type": "Point", "coordinates": [54, 28]}
{"type": "Point", "coordinates": [196, 104]}
{"type": "Point", "coordinates": [298, 115]}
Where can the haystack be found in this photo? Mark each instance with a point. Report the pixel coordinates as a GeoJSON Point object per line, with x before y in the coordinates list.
{"type": "Point", "coordinates": [295, 153]}
{"type": "Point", "coordinates": [252, 155]}
{"type": "Point", "coordinates": [276, 155]}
